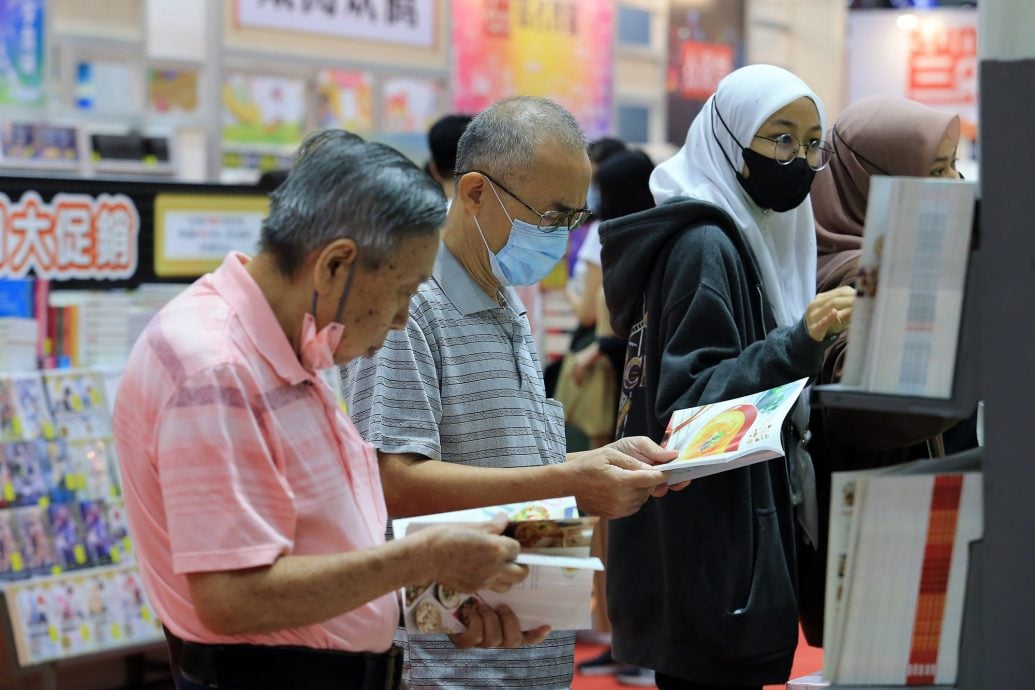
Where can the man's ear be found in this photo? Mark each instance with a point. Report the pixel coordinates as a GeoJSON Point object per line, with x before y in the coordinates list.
{"type": "Point", "coordinates": [470, 192]}
{"type": "Point", "coordinates": [330, 262]}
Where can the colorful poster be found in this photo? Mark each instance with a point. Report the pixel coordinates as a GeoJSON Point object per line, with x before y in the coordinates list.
{"type": "Point", "coordinates": [410, 105]}
{"type": "Point", "coordinates": [563, 49]}
{"type": "Point", "coordinates": [411, 22]}
{"type": "Point", "coordinates": [706, 42]}
{"type": "Point", "coordinates": [21, 52]}
{"type": "Point", "coordinates": [170, 90]}
{"type": "Point", "coordinates": [263, 110]}
{"type": "Point", "coordinates": [344, 100]}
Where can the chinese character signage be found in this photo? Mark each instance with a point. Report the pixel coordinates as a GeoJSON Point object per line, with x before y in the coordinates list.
{"type": "Point", "coordinates": [563, 49]}
{"type": "Point", "coordinates": [21, 52]}
{"type": "Point", "coordinates": [75, 236]}
{"type": "Point", "coordinates": [193, 233]}
{"type": "Point", "coordinates": [706, 42]}
{"type": "Point", "coordinates": [929, 56]}
{"type": "Point", "coordinates": [410, 22]}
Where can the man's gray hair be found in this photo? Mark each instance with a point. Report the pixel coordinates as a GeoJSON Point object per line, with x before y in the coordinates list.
{"type": "Point", "coordinates": [502, 139]}
{"type": "Point", "coordinates": [341, 186]}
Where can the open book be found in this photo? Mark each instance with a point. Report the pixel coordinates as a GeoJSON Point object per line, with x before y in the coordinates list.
{"type": "Point", "coordinates": [726, 435]}
{"type": "Point", "coordinates": [555, 548]}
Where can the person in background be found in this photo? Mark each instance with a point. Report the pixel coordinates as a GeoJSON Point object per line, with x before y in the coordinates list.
{"type": "Point", "coordinates": [716, 290]}
{"type": "Point", "coordinates": [880, 135]}
{"type": "Point", "coordinates": [454, 403]}
{"type": "Point", "coordinates": [443, 138]}
{"type": "Point", "coordinates": [621, 186]}
{"type": "Point", "coordinates": [257, 510]}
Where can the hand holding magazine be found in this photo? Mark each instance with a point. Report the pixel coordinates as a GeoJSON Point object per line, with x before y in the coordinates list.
{"type": "Point", "coordinates": [726, 435]}
{"type": "Point", "coordinates": [555, 548]}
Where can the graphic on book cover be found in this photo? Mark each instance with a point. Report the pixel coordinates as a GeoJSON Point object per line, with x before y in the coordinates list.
{"type": "Point", "coordinates": [36, 542]}
{"type": "Point", "coordinates": [77, 400]}
{"type": "Point", "coordinates": [24, 413]}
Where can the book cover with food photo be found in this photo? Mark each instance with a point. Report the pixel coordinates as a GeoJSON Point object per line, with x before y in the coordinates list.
{"type": "Point", "coordinates": [725, 435]}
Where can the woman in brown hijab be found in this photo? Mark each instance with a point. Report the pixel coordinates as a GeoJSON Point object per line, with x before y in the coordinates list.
{"type": "Point", "coordinates": [875, 136]}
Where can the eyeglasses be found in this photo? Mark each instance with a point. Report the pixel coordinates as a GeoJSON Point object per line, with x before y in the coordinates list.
{"type": "Point", "coordinates": [549, 220]}
{"type": "Point", "coordinates": [786, 147]}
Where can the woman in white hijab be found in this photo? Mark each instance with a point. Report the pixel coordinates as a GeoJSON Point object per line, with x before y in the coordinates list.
{"type": "Point", "coordinates": [716, 290]}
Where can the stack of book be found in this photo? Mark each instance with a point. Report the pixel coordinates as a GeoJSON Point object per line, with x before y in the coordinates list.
{"type": "Point", "coordinates": [897, 572]}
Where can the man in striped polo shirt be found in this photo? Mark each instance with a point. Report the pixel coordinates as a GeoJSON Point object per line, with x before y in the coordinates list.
{"type": "Point", "coordinates": [455, 403]}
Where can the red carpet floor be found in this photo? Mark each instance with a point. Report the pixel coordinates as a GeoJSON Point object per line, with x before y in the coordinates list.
{"type": "Point", "coordinates": [807, 660]}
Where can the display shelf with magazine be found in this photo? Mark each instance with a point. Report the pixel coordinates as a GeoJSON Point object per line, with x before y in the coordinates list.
{"type": "Point", "coordinates": [67, 565]}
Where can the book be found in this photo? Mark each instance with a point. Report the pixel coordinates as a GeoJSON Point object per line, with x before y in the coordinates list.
{"type": "Point", "coordinates": [897, 572]}
{"type": "Point", "coordinates": [555, 549]}
{"type": "Point", "coordinates": [77, 400]}
{"type": "Point", "coordinates": [904, 334]}
{"type": "Point", "coordinates": [726, 435]}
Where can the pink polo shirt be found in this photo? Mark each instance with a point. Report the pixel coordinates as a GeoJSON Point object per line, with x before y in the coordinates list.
{"type": "Point", "coordinates": [233, 455]}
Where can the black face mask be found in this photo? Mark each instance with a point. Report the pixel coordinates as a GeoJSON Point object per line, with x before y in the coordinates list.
{"type": "Point", "coordinates": [776, 186]}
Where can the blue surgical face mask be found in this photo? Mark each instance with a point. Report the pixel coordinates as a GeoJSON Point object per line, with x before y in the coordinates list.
{"type": "Point", "coordinates": [529, 254]}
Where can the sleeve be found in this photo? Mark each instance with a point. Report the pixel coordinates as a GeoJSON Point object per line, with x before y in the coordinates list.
{"type": "Point", "coordinates": [703, 356]}
{"type": "Point", "coordinates": [393, 397]}
{"type": "Point", "coordinates": [227, 503]}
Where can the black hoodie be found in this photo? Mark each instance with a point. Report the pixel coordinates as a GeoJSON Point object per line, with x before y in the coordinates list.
{"type": "Point", "coordinates": [701, 583]}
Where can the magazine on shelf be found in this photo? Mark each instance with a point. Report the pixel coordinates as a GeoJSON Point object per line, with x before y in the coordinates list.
{"type": "Point", "coordinates": [905, 325]}
{"type": "Point", "coordinates": [730, 434]}
{"type": "Point", "coordinates": [24, 412]}
{"type": "Point", "coordinates": [77, 400]}
{"type": "Point", "coordinates": [897, 572]}
{"type": "Point", "coordinates": [555, 548]}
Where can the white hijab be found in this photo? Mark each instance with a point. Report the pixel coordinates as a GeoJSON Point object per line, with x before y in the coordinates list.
{"type": "Point", "coordinates": [784, 244]}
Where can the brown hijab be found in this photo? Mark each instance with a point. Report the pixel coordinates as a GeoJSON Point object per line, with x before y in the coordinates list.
{"type": "Point", "coordinates": [879, 135]}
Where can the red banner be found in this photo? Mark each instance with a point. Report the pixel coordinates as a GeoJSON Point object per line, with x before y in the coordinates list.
{"type": "Point", "coordinates": [75, 236]}
{"type": "Point", "coordinates": [943, 65]}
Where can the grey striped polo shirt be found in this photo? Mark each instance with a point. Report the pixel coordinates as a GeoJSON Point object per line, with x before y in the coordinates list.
{"type": "Point", "coordinates": [462, 383]}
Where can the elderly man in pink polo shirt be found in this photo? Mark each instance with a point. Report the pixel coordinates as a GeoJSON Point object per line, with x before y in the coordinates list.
{"type": "Point", "coordinates": [257, 508]}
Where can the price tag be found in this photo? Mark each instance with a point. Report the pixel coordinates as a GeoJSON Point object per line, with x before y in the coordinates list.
{"type": "Point", "coordinates": [70, 482]}
{"type": "Point", "coordinates": [55, 570]}
{"type": "Point", "coordinates": [116, 554]}
{"type": "Point", "coordinates": [145, 614]}
{"type": "Point", "coordinates": [16, 427]}
{"type": "Point", "coordinates": [127, 544]}
{"type": "Point", "coordinates": [48, 431]}
{"type": "Point", "coordinates": [84, 632]}
{"type": "Point", "coordinates": [44, 502]}
{"type": "Point", "coordinates": [9, 494]}
{"type": "Point", "coordinates": [116, 631]}
{"type": "Point", "coordinates": [114, 491]}
{"type": "Point", "coordinates": [80, 554]}
{"type": "Point", "coordinates": [150, 159]}
{"type": "Point", "coordinates": [52, 631]}
{"type": "Point", "coordinates": [17, 563]}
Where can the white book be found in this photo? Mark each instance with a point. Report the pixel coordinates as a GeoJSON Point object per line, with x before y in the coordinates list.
{"type": "Point", "coordinates": [729, 434]}
{"type": "Point", "coordinates": [897, 573]}
{"type": "Point", "coordinates": [555, 549]}
{"type": "Point", "coordinates": [912, 272]}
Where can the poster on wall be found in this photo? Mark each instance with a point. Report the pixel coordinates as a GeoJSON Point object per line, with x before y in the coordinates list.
{"type": "Point", "coordinates": [706, 42]}
{"type": "Point", "coordinates": [929, 56]}
{"type": "Point", "coordinates": [563, 49]}
{"type": "Point", "coordinates": [265, 110]}
{"type": "Point", "coordinates": [194, 233]}
{"type": "Point", "coordinates": [172, 90]}
{"type": "Point", "coordinates": [21, 52]}
{"type": "Point", "coordinates": [411, 22]}
{"type": "Point", "coordinates": [410, 105]}
{"type": "Point", "coordinates": [344, 99]}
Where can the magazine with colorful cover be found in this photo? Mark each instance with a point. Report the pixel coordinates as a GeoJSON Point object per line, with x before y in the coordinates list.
{"type": "Point", "coordinates": [729, 434]}
{"type": "Point", "coordinates": [555, 549]}
{"type": "Point", "coordinates": [78, 403]}
{"type": "Point", "coordinates": [23, 478]}
{"type": "Point", "coordinates": [35, 539]}
{"type": "Point", "coordinates": [24, 412]}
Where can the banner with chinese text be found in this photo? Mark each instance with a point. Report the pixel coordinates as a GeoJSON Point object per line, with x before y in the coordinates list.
{"type": "Point", "coordinates": [411, 22]}
{"type": "Point", "coordinates": [74, 236]}
{"type": "Point", "coordinates": [706, 42]}
{"type": "Point", "coordinates": [562, 49]}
